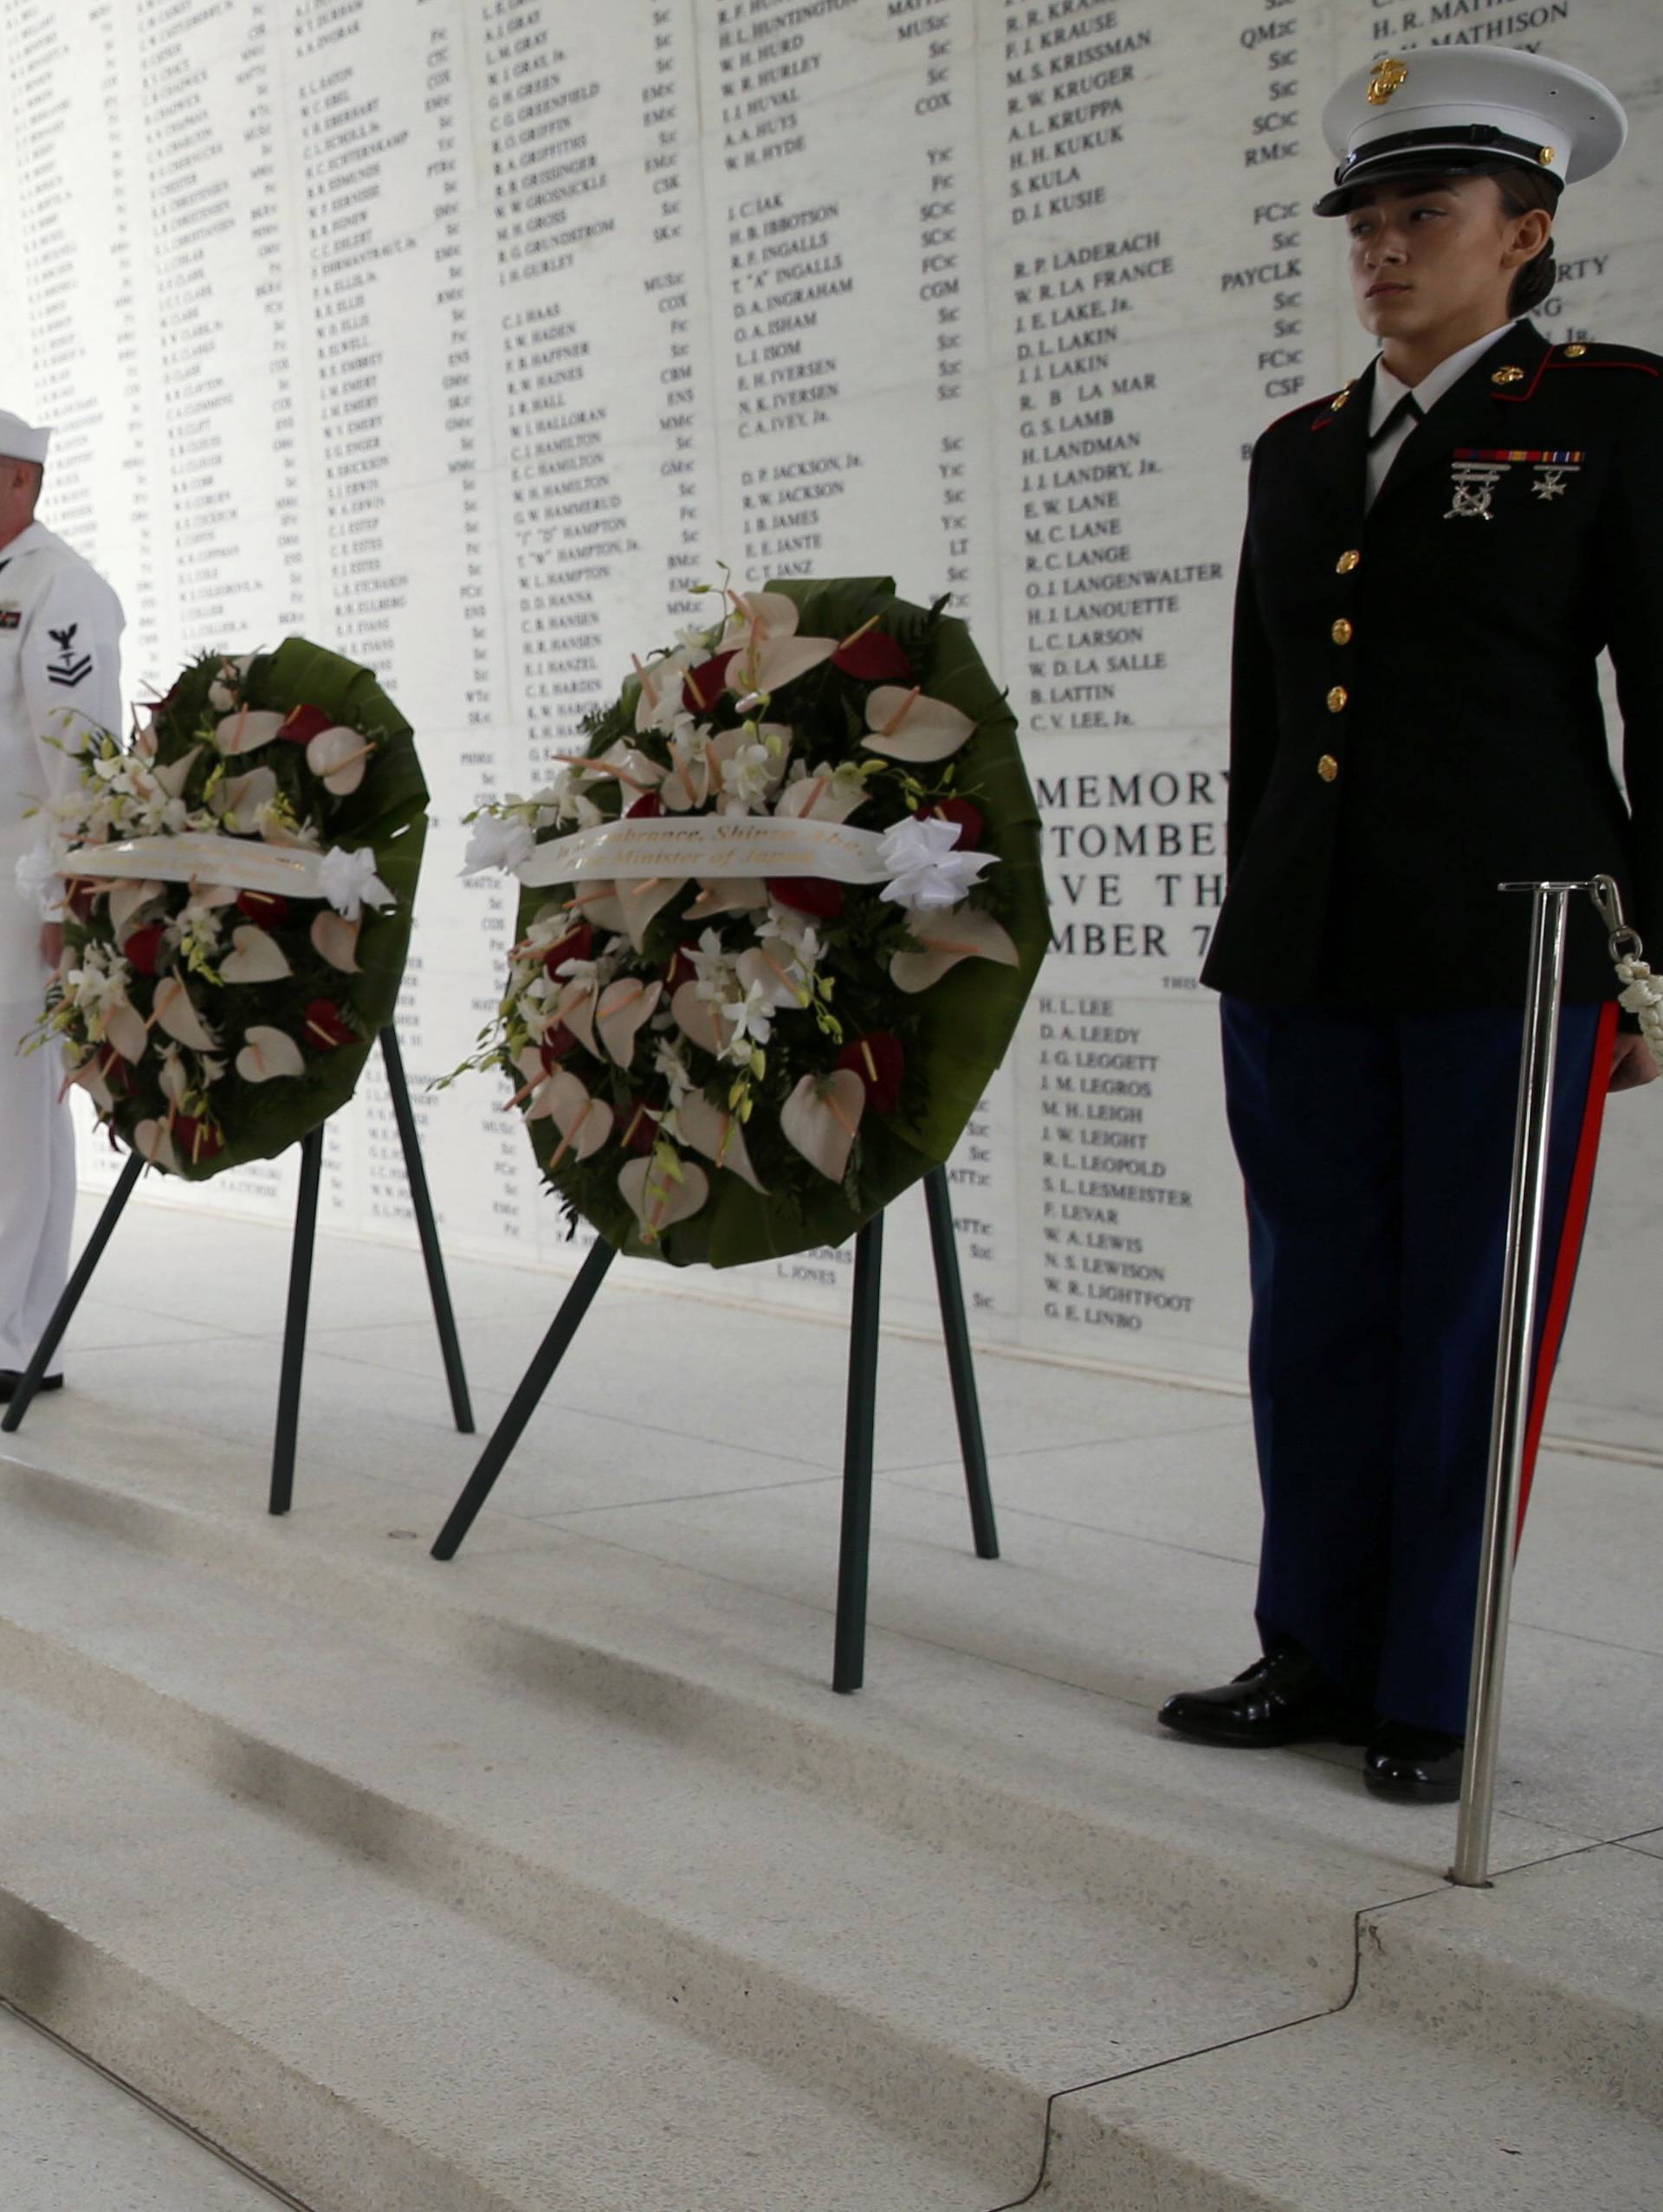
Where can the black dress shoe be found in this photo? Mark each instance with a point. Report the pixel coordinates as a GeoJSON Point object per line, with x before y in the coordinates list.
{"type": "Point", "coordinates": [1422, 1765]}
{"type": "Point", "coordinates": [11, 1382]}
{"type": "Point", "coordinates": [1284, 1698]}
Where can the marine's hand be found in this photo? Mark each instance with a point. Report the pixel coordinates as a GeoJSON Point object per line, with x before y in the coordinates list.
{"type": "Point", "coordinates": [1631, 1063]}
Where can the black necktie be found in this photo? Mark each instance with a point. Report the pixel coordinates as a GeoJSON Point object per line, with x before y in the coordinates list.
{"type": "Point", "coordinates": [1408, 408]}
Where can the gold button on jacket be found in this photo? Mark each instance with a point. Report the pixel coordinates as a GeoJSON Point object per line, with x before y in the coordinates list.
{"type": "Point", "coordinates": [1328, 767]}
{"type": "Point", "coordinates": [1341, 633]}
{"type": "Point", "coordinates": [1337, 698]}
{"type": "Point", "coordinates": [1348, 560]}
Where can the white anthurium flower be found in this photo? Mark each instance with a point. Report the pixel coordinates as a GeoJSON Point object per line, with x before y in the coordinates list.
{"type": "Point", "coordinates": [942, 940]}
{"type": "Point", "coordinates": [660, 707]}
{"type": "Point", "coordinates": [761, 633]}
{"type": "Point", "coordinates": [498, 841]}
{"type": "Point", "coordinates": [335, 939]}
{"type": "Point", "coordinates": [700, 1018]}
{"type": "Point", "coordinates": [87, 1075]}
{"type": "Point", "coordinates": [124, 1029]}
{"type": "Point", "coordinates": [268, 1053]}
{"type": "Point", "coordinates": [350, 883]}
{"type": "Point", "coordinates": [823, 793]}
{"type": "Point", "coordinates": [641, 901]}
{"type": "Point", "coordinates": [660, 1193]}
{"type": "Point", "coordinates": [128, 901]}
{"type": "Point", "coordinates": [173, 1008]}
{"type": "Point", "coordinates": [239, 798]}
{"type": "Point", "coordinates": [174, 1078]}
{"type": "Point", "coordinates": [154, 1142]}
{"type": "Point", "coordinates": [717, 1134]}
{"type": "Point", "coordinates": [585, 1123]}
{"type": "Point", "coordinates": [565, 804]}
{"type": "Point", "coordinates": [247, 730]}
{"type": "Point", "coordinates": [821, 1120]}
{"type": "Point", "coordinates": [173, 775]}
{"type": "Point", "coordinates": [688, 785]}
{"type": "Point", "coordinates": [222, 691]}
{"type": "Point", "coordinates": [929, 874]}
{"type": "Point", "coordinates": [341, 757]}
{"type": "Point", "coordinates": [750, 1018]}
{"type": "Point", "coordinates": [253, 958]}
{"type": "Point", "coordinates": [622, 1008]}
{"type": "Point", "coordinates": [906, 726]}
{"type": "Point", "coordinates": [576, 1007]}
{"type": "Point", "coordinates": [636, 770]}
{"type": "Point", "coordinates": [727, 895]}
{"type": "Point", "coordinates": [773, 968]}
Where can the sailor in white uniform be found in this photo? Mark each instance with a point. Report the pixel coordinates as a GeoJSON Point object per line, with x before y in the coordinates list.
{"type": "Point", "coordinates": [60, 674]}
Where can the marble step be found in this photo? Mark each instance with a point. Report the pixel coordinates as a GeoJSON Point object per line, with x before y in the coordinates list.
{"type": "Point", "coordinates": [941, 1995]}
{"type": "Point", "coordinates": [1504, 2052]}
{"type": "Point", "coordinates": [365, 2046]}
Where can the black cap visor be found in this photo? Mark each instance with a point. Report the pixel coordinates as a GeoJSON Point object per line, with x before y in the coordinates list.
{"type": "Point", "coordinates": [1399, 163]}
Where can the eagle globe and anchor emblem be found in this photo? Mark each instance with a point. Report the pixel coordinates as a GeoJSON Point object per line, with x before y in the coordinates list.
{"type": "Point", "coordinates": [1390, 75]}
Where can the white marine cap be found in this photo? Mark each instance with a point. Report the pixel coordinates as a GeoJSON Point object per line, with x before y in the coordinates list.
{"type": "Point", "coordinates": [19, 441]}
{"type": "Point", "coordinates": [1441, 111]}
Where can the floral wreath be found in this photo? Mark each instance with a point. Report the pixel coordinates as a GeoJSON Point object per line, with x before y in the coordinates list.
{"type": "Point", "coordinates": [236, 880]}
{"type": "Point", "coordinates": [779, 919]}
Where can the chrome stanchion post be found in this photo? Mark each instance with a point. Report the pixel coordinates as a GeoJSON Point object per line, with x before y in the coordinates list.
{"type": "Point", "coordinates": [1509, 1417]}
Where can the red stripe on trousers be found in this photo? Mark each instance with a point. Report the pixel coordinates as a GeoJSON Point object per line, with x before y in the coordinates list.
{"type": "Point", "coordinates": [1570, 1246]}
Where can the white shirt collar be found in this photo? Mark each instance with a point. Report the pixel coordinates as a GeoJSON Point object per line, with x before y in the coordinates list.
{"type": "Point", "coordinates": [29, 539]}
{"type": "Point", "coordinates": [1432, 387]}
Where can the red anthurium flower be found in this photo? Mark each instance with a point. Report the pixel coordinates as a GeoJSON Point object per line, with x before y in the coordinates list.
{"type": "Point", "coordinates": [143, 948]}
{"type": "Point", "coordinates": [815, 894]}
{"type": "Point", "coordinates": [557, 1042]}
{"type": "Point", "coordinates": [303, 724]}
{"type": "Point", "coordinates": [579, 944]}
{"type": "Point", "coordinates": [873, 657]}
{"type": "Point", "coordinates": [879, 1062]}
{"type": "Point", "coordinates": [638, 1125]}
{"type": "Point", "coordinates": [701, 687]}
{"type": "Point", "coordinates": [83, 898]}
{"type": "Point", "coordinates": [325, 1028]}
{"type": "Point", "coordinates": [263, 907]}
{"type": "Point", "coordinates": [196, 1140]}
{"type": "Point", "coordinates": [970, 820]}
{"type": "Point", "coordinates": [648, 805]}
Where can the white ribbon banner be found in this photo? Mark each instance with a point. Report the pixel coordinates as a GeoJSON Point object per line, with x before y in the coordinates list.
{"type": "Point", "coordinates": [241, 864]}
{"type": "Point", "coordinates": [710, 845]}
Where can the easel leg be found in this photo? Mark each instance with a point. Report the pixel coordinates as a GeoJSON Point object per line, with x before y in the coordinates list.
{"type": "Point", "coordinates": [421, 1202]}
{"type": "Point", "coordinates": [74, 1291]}
{"type": "Point", "coordinates": [300, 1298]}
{"type": "Point", "coordinates": [526, 1399]}
{"type": "Point", "coordinates": [961, 1362]}
{"type": "Point", "coordinates": [848, 1659]}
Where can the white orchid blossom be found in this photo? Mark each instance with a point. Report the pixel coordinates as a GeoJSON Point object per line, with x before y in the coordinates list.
{"type": "Point", "coordinates": [40, 875]}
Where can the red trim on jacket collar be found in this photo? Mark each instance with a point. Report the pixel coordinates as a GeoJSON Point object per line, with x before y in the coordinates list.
{"type": "Point", "coordinates": [1555, 358]}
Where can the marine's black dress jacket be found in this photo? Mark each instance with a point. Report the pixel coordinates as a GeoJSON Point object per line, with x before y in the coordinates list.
{"type": "Point", "coordinates": [1416, 716]}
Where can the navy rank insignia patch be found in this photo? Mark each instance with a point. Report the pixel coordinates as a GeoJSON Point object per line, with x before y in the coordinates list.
{"type": "Point", "coordinates": [70, 666]}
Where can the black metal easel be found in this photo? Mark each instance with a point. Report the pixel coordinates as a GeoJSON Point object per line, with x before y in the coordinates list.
{"type": "Point", "coordinates": [299, 1284]}
{"type": "Point", "coordinates": [848, 1661]}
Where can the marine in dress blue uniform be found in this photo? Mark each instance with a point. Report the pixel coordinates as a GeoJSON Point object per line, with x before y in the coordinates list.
{"type": "Point", "coordinates": [1430, 571]}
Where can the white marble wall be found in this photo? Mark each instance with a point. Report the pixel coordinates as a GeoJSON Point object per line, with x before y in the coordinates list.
{"type": "Point", "coordinates": [464, 337]}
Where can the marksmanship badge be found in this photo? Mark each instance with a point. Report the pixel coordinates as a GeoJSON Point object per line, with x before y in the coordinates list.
{"type": "Point", "coordinates": [1473, 485]}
